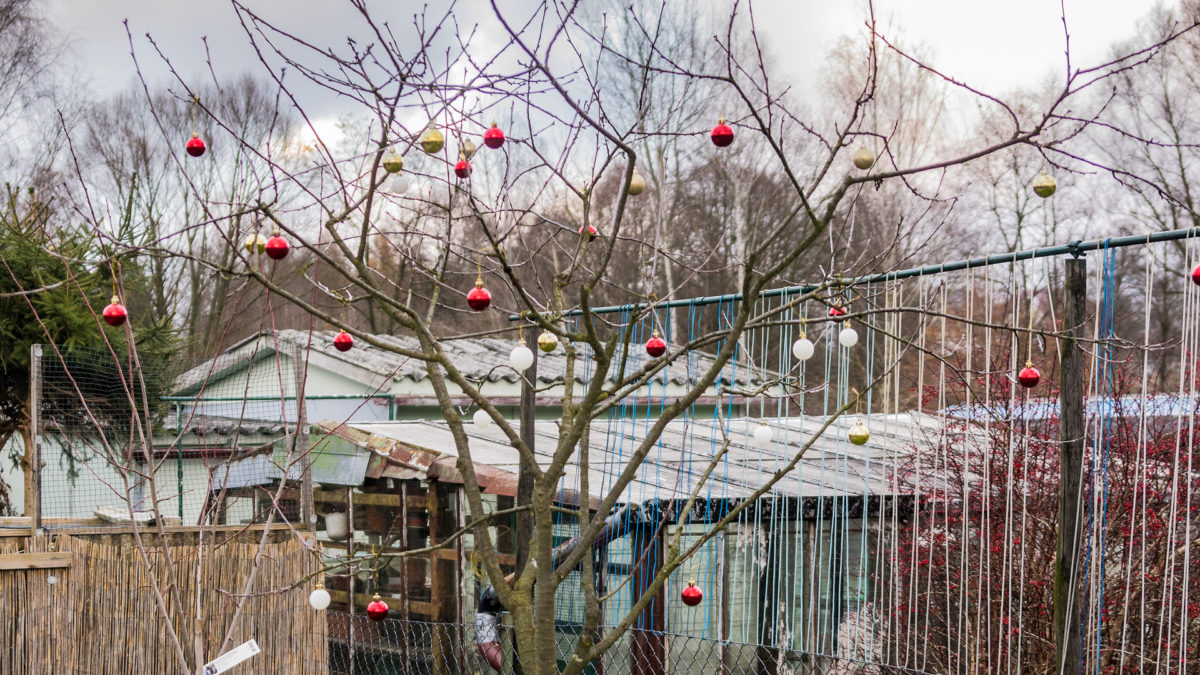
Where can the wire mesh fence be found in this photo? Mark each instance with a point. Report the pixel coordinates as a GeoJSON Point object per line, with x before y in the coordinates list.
{"type": "Point", "coordinates": [360, 646]}
{"type": "Point", "coordinates": [124, 438]}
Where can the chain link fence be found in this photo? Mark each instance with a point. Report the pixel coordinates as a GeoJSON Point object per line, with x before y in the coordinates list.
{"type": "Point", "coordinates": [124, 437]}
{"type": "Point", "coordinates": [207, 442]}
{"type": "Point", "coordinates": [359, 646]}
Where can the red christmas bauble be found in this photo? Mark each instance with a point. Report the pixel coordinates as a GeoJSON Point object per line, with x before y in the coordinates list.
{"type": "Point", "coordinates": [478, 298]}
{"type": "Point", "coordinates": [722, 135]}
{"type": "Point", "coordinates": [591, 233]}
{"type": "Point", "coordinates": [1029, 376]}
{"type": "Point", "coordinates": [377, 610]}
{"type": "Point", "coordinates": [195, 146]}
{"type": "Point", "coordinates": [277, 248]}
{"type": "Point", "coordinates": [115, 313]}
{"type": "Point", "coordinates": [656, 346]}
{"type": "Point", "coordinates": [462, 169]}
{"type": "Point", "coordinates": [343, 342]}
{"type": "Point", "coordinates": [493, 137]}
{"type": "Point", "coordinates": [837, 311]}
{"type": "Point", "coordinates": [1196, 275]}
{"type": "Point", "coordinates": [692, 595]}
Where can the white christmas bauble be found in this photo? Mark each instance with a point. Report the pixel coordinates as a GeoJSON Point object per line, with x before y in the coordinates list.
{"type": "Point", "coordinates": [482, 419]}
{"type": "Point", "coordinates": [520, 358]}
{"type": "Point", "coordinates": [848, 337]}
{"type": "Point", "coordinates": [336, 525]}
{"type": "Point", "coordinates": [319, 598]}
{"type": "Point", "coordinates": [401, 184]}
{"type": "Point", "coordinates": [762, 434]}
{"type": "Point", "coordinates": [803, 349]}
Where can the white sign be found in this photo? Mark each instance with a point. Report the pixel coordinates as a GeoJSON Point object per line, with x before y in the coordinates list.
{"type": "Point", "coordinates": [231, 658]}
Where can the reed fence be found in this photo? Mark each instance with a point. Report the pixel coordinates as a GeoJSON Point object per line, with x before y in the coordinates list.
{"type": "Point", "coordinates": [97, 610]}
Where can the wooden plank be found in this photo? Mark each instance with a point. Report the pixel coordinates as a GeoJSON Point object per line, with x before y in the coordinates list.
{"type": "Point", "coordinates": [648, 652]}
{"type": "Point", "coordinates": [443, 576]}
{"type": "Point", "coordinates": [367, 498]}
{"type": "Point", "coordinates": [453, 555]}
{"type": "Point", "coordinates": [770, 633]}
{"type": "Point", "coordinates": [16, 532]}
{"type": "Point", "coordinates": [111, 529]}
{"type": "Point", "coordinates": [34, 561]}
{"type": "Point", "coordinates": [506, 528]}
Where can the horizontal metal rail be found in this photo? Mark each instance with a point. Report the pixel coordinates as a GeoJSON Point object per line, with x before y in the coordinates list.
{"type": "Point", "coordinates": [289, 397]}
{"type": "Point", "coordinates": [1075, 248]}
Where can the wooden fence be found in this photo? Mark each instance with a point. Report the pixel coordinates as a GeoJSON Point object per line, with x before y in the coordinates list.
{"type": "Point", "coordinates": [82, 603]}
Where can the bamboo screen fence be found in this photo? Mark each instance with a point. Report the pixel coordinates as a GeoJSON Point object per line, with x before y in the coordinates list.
{"type": "Point", "coordinates": [100, 614]}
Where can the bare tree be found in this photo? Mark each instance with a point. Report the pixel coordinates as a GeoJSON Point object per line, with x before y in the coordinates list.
{"type": "Point", "coordinates": [577, 141]}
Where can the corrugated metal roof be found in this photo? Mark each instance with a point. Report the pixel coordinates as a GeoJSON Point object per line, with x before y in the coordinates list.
{"type": "Point", "coordinates": [210, 425]}
{"type": "Point", "coordinates": [832, 466]}
{"type": "Point", "coordinates": [480, 359]}
{"type": "Point", "coordinates": [1042, 408]}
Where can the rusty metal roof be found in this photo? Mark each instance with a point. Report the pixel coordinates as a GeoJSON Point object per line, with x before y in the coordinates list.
{"type": "Point", "coordinates": [390, 457]}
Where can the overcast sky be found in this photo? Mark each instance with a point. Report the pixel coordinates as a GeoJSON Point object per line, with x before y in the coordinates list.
{"type": "Point", "coordinates": [995, 46]}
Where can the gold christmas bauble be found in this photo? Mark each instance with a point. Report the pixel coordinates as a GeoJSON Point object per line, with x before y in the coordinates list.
{"type": "Point", "coordinates": [432, 140]}
{"type": "Point", "coordinates": [547, 341]}
{"type": "Point", "coordinates": [864, 158]}
{"type": "Point", "coordinates": [859, 434]}
{"type": "Point", "coordinates": [255, 241]}
{"type": "Point", "coordinates": [466, 149]}
{"type": "Point", "coordinates": [393, 163]}
{"type": "Point", "coordinates": [1044, 185]}
{"type": "Point", "coordinates": [636, 184]}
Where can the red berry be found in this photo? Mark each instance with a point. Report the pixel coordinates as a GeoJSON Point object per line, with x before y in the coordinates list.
{"type": "Point", "coordinates": [493, 137]}
{"type": "Point", "coordinates": [343, 342]}
{"type": "Point", "coordinates": [195, 146]}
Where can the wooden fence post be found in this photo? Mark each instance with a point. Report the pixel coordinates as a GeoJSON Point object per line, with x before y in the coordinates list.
{"type": "Point", "coordinates": [649, 654]}
{"type": "Point", "coordinates": [33, 440]}
{"type": "Point", "coordinates": [1071, 435]}
{"type": "Point", "coordinates": [300, 439]}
